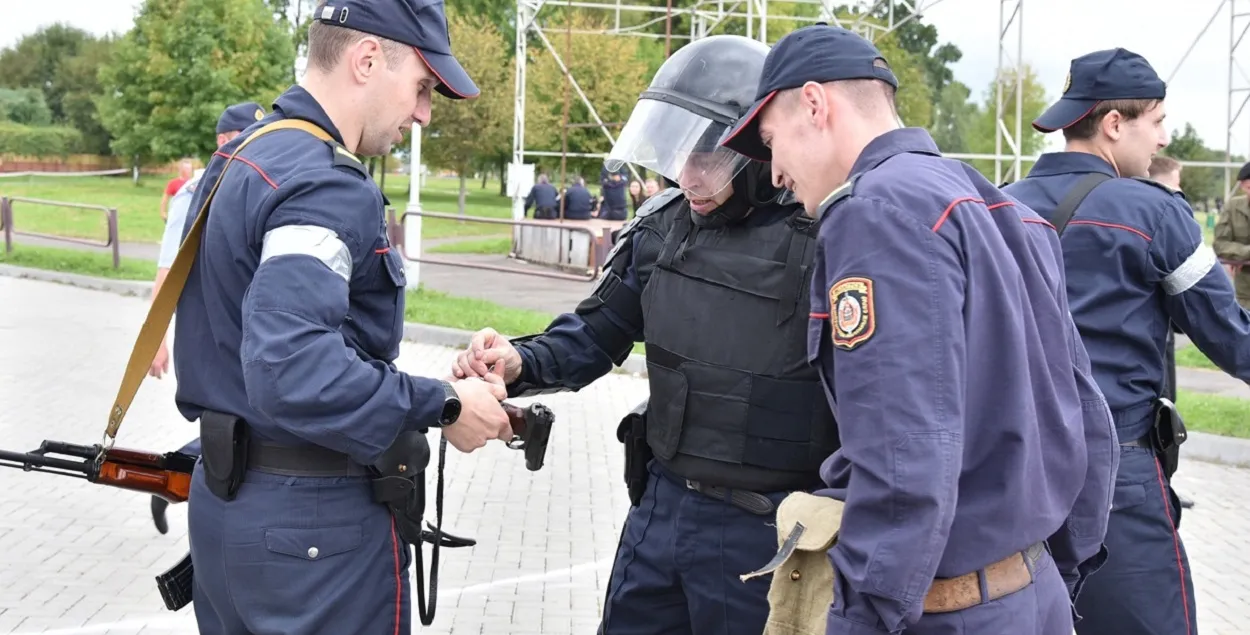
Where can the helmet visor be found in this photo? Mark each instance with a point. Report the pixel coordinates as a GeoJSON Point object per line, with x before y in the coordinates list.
{"type": "Point", "coordinates": [678, 144]}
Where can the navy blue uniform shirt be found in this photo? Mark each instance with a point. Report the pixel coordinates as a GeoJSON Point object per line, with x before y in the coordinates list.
{"type": "Point", "coordinates": [542, 196]}
{"type": "Point", "coordinates": [1136, 262]}
{"type": "Point", "coordinates": [577, 202]}
{"type": "Point", "coordinates": [970, 426]}
{"type": "Point", "coordinates": [293, 311]}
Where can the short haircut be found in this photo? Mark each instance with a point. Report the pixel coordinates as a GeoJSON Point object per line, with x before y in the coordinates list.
{"type": "Point", "coordinates": [1163, 165]}
{"type": "Point", "coordinates": [327, 42]}
{"type": "Point", "coordinates": [1088, 126]}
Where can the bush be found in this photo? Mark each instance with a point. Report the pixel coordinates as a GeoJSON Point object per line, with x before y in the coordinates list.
{"type": "Point", "coordinates": [38, 140]}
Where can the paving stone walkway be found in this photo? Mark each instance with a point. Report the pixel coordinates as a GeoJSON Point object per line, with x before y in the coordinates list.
{"type": "Point", "coordinates": [79, 558]}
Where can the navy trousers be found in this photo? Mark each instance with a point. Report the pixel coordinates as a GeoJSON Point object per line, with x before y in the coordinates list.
{"type": "Point", "coordinates": [297, 556]}
{"type": "Point", "coordinates": [677, 566]}
{"type": "Point", "coordinates": [1145, 587]}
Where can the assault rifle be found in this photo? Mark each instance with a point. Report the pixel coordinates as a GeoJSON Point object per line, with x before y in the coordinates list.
{"type": "Point", "coordinates": [165, 475]}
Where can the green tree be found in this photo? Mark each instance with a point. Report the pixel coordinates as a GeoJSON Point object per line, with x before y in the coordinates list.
{"type": "Point", "coordinates": [463, 134]}
{"type": "Point", "coordinates": [607, 69]}
{"type": "Point", "coordinates": [62, 63]}
{"type": "Point", "coordinates": [181, 64]}
{"type": "Point", "coordinates": [1197, 182]}
{"type": "Point", "coordinates": [954, 118]}
{"type": "Point", "coordinates": [25, 106]}
{"type": "Point", "coordinates": [982, 138]}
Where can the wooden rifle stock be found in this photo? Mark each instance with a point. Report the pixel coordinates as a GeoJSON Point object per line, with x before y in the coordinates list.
{"type": "Point", "coordinates": [165, 475]}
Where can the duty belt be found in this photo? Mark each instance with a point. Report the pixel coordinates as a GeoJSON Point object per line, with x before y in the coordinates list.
{"type": "Point", "coordinates": [1002, 578]}
{"type": "Point", "coordinates": [749, 501]}
{"type": "Point", "coordinates": [300, 461]}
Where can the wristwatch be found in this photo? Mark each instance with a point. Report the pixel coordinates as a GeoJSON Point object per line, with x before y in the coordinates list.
{"type": "Point", "coordinates": [451, 405]}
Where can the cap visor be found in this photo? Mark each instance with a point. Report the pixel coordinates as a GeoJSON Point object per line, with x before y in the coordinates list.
{"type": "Point", "coordinates": [453, 82]}
{"type": "Point", "coordinates": [1064, 113]}
{"type": "Point", "coordinates": [744, 137]}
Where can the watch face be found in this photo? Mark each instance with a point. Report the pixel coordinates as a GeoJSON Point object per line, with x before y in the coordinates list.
{"type": "Point", "coordinates": [451, 411]}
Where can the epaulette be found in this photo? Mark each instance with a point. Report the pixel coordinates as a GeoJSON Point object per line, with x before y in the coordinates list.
{"type": "Point", "coordinates": [343, 158]}
{"type": "Point", "coordinates": [661, 200]}
{"type": "Point", "coordinates": [1155, 183]}
{"type": "Point", "coordinates": [843, 191]}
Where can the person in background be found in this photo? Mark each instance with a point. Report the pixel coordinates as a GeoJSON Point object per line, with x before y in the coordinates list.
{"type": "Point", "coordinates": [1167, 171]}
{"type": "Point", "coordinates": [636, 195]}
{"type": "Point", "coordinates": [174, 184]}
{"type": "Point", "coordinates": [578, 203]}
{"type": "Point", "coordinates": [652, 186]}
{"type": "Point", "coordinates": [230, 124]}
{"type": "Point", "coordinates": [1232, 236]}
{"type": "Point", "coordinates": [612, 196]}
{"type": "Point", "coordinates": [544, 198]}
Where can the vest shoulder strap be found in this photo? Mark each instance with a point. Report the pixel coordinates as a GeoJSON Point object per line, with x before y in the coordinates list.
{"type": "Point", "coordinates": [1072, 200]}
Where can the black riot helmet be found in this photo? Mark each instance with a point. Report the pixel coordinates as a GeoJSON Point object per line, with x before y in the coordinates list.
{"type": "Point", "coordinates": [699, 92]}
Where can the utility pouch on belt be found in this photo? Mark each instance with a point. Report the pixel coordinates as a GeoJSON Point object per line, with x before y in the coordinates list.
{"type": "Point", "coordinates": [1167, 434]}
{"type": "Point", "coordinates": [802, 587]}
{"type": "Point", "coordinates": [633, 433]}
{"type": "Point", "coordinates": [224, 446]}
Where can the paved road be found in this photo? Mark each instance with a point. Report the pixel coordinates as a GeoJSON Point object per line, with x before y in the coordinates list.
{"type": "Point", "coordinates": [80, 559]}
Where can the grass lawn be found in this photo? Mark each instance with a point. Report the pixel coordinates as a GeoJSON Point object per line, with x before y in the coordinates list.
{"type": "Point", "coordinates": [138, 205]}
{"type": "Point", "coordinates": [85, 263]}
{"type": "Point", "coordinates": [501, 245]}
{"type": "Point", "coordinates": [1214, 414]}
{"type": "Point", "coordinates": [1193, 358]}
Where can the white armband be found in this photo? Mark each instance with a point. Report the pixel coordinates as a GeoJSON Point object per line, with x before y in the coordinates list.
{"type": "Point", "coordinates": [1191, 271]}
{"type": "Point", "coordinates": [309, 240]}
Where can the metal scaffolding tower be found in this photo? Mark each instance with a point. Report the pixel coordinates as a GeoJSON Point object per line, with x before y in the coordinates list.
{"type": "Point", "coordinates": [705, 17]}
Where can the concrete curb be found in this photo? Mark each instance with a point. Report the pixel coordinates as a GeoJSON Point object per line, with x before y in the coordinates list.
{"type": "Point", "coordinates": [121, 287]}
{"type": "Point", "coordinates": [635, 365]}
{"type": "Point", "coordinates": [1200, 446]}
{"type": "Point", "coordinates": [1213, 448]}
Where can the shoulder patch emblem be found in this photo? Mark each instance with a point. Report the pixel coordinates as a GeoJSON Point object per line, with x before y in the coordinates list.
{"type": "Point", "coordinates": [852, 312]}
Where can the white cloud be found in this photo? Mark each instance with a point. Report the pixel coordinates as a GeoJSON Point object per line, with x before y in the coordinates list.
{"type": "Point", "coordinates": [1055, 31]}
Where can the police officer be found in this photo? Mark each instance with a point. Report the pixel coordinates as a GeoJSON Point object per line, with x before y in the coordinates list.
{"type": "Point", "coordinates": [230, 124]}
{"type": "Point", "coordinates": [286, 334]}
{"type": "Point", "coordinates": [974, 443]}
{"type": "Point", "coordinates": [710, 277]}
{"type": "Point", "coordinates": [1136, 263]}
{"type": "Point", "coordinates": [543, 197]}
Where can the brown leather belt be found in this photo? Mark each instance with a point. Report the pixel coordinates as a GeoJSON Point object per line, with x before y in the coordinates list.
{"type": "Point", "coordinates": [1002, 578]}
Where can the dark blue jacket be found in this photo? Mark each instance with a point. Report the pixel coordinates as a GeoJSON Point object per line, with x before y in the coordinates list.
{"type": "Point", "coordinates": [577, 203]}
{"type": "Point", "coordinates": [542, 196]}
{"type": "Point", "coordinates": [970, 425]}
{"type": "Point", "coordinates": [1136, 261]}
{"type": "Point", "coordinates": [293, 312]}
{"type": "Point", "coordinates": [613, 193]}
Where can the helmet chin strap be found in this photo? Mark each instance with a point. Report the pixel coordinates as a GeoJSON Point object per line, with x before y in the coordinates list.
{"type": "Point", "coordinates": [753, 188]}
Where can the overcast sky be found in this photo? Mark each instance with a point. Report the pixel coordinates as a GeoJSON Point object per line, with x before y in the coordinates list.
{"type": "Point", "coordinates": [1052, 37]}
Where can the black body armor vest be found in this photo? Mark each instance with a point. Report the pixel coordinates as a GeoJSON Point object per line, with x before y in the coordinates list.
{"type": "Point", "coordinates": [733, 400]}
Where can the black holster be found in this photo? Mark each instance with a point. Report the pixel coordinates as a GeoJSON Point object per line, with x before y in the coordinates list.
{"type": "Point", "coordinates": [1167, 434]}
{"type": "Point", "coordinates": [224, 450]}
{"type": "Point", "coordinates": [400, 484]}
{"type": "Point", "coordinates": [632, 432]}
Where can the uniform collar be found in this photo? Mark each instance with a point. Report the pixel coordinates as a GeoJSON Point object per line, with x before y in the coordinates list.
{"type": "Point", "coordinates": [298, 103]}
{"type": "Point", "coordinates": [892, 143]}
{"type": "Point", "coordinates": [1056, 163]}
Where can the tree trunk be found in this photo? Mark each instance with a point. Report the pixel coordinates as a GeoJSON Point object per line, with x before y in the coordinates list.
{"type": "Point", "coordinates": [485, 177]}
{"type": "Point", "coordinates": [463, 185]}
{"type": "Point", "coordinates": [382, 185]}
{"type": "Point", "coordinates": [503, 177]}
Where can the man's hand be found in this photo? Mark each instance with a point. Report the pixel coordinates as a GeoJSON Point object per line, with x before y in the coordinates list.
{"type": "Point", "coordinates": [160, 363]}
{"type": "Point", "coordinates": [481, 417]}
{"type": "Point", "coordinates": [488, 350]}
